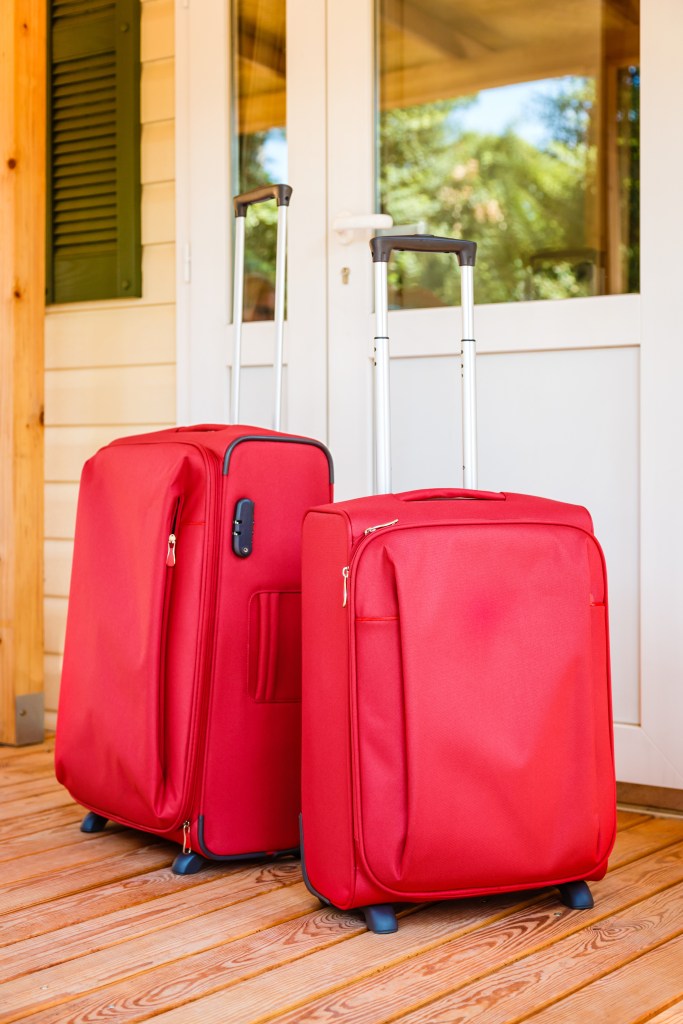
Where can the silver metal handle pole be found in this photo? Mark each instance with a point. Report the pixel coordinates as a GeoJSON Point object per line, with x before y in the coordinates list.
{"type": "Point", "coordinates": [382, 400]}
{"type": "Point", "coordinates": [280, 261]}
{"type": "Point", "coordinates": [469, 382]}
{"type": "Point", "coordinates": [237, 312]}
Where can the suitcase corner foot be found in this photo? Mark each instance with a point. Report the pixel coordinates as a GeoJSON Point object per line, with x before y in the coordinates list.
{"type": "Point", "coordinates": [576, 895]}
{"type": "Point", "coordinates": [187, 864]}
{"type": "Point", "coordinates": [93, 822]}
{"type": "Point", "coordinates": [380, 918]}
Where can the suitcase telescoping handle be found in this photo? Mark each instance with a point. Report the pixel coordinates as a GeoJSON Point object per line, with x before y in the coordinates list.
{"type": "Point", "coordinates": [282, 194]}
{"type": "Point", "coordinates": [382, 247]}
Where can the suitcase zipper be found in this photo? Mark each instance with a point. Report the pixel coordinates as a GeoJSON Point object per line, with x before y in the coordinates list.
{"type": "Point", "coordinates": [380, 526]}
{"type": "Point", "coordinates": [210, 596]}
{"type": "Point", "coordinates": [346, 571]}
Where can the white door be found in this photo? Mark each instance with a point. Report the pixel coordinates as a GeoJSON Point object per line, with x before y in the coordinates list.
{"type": "Point", "coordinates": [572, 392]}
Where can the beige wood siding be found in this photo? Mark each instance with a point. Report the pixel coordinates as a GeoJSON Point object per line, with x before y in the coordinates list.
{"type": "Point", "coordinates": [110, 366]}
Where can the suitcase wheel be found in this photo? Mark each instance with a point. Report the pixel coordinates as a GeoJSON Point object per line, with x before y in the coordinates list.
{"type": "Point", "coordinates": [576, 895]}
{"type": "Point", "coordinates": [187, 864]}
{"type": "Point", "coordinates": [380, 918]}
{"type": "Point", "coordinates": [93, 822]}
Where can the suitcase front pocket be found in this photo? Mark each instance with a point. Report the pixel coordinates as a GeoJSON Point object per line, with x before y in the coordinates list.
{"type": "Point", "coordinates": [476, 760]}
{"type": "Point", "coordinates": [275, 646]}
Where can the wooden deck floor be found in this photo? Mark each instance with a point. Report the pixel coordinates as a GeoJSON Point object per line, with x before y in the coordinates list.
{"type": "Point", "coordinates": [97, 928]}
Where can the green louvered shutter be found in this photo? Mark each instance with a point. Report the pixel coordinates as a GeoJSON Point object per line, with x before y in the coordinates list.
{"type": "Point", "coordinates": [93, 186]}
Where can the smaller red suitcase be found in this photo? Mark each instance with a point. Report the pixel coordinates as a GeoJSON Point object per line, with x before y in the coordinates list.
{"type": "Point", "coordinates": [457, 729]}
{"type": "Point", "coordinates": [179, 712]}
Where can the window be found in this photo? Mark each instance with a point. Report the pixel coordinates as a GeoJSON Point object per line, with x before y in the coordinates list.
{"type": "Point", "coordinates": [93, 173]}
{"type": "Point", "coordinates": [260, 139]}
{"type": "Point", "coordinates": [516, 125]}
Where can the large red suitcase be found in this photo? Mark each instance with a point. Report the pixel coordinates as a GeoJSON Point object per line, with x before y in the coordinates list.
{"type": "Point", "coordinates": [180, 704]}
{"type": "Point", "coordinates": [457, 734]}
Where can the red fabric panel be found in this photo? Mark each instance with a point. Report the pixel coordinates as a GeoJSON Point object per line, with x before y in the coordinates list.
{"type": "Point", "coordinates": [251, 788]}
{"type": "Point", "coordinates": [493, 646]}
{"type": "Point", "coordinates": [129, 689]}
{"type": "Point", "coordinates": [326, 767]}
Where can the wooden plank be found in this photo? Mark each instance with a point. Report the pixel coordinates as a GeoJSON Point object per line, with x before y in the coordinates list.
{"type": "Point", "coordinates": [14, 810]}
{"type": "Point", "coordinates": [72, 852]}
{"type": "Point", "coordinates": [157, 152]}
{"type": "Point", "coordinates": [156, 30]}
{"type": "Point", "coordinates": [650, 796]}
{"type": "Point", "coordinates": [129, 335]}
{"type": "Point", "coordinates": [430, 964]}
{"type": "Point", "coordinates": [68, 448]}
{"type": "Point", "coordinates": [63, 911]}
{"type": "Point", "coordinates": [478, 990]}
{"type": "Point", "coordinates": [29, 824]}
{"type": "Point", "coordinates": [176, 910]}
{"type": "Point", "coordinates": [118, 394]}
{"type": "Point", "coordinates": [42, 763]}
{"type": "Point", "coordinates": [630, 995]}
{"type": "Point", "coordinates": [178, 982]}
{"type": "Point", "coordinates": [674, 1015]}
{"type": "Point", "coordinates": [627, 819]}
{"type": "Point", "coordinates": [656, 833]}
{"type": "Point", "coordinates": [157, 96]}
{"type": "Point", "coordinates": [158, 213]}
{"type": "Point", "coordinates": [54, 986]}
{"type": "Point", "coordinates": [542, 980]}
{"type": "Point", "coordinates": [57, 837]}
{"type": "Point", "coordinates": [55, 625]}
{"type": "Point", "coordinates": [60, 511]}
{"type": "Point", "coordinates": [20, 789]}
{"type": "Point", "coordinates": [158, 273]}
{"type": "Point", "coordinates": [53, 676]}
{"type": "Point", "coordinates": [58, 558]}
{"type": "Point", "coordinates": [18, 896]}
{"type": "Point", "coordinates": [23, 50]}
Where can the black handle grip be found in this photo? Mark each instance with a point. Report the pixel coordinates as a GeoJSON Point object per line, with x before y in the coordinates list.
{"type": "Point", "coordinates": [383, 245]}
{"type": "Point", "coordinates": [282, 193]}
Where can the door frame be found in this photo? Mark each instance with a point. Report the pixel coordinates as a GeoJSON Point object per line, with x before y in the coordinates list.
{"type": "Point", "coordinates": [650, 753]}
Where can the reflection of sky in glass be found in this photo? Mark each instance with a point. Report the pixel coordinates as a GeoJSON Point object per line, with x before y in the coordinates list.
{"type": "Point", "coordinates": [512, 107]}
{"type": "Point", "coordinates": [274, 155]}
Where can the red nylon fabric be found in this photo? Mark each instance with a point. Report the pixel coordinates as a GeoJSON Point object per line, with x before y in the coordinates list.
{"type": "Point", "coordinates": [478, 754]}
{"type": "Point", "coordinates": [161, 719]}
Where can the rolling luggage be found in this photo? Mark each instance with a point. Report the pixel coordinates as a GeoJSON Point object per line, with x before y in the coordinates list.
{"type": "Point", "coordinates": [457, 728]}
{"type": "Point", "coordinates": [180, 705]}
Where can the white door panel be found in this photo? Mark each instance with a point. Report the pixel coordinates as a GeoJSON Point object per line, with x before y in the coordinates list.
{"type": "Point", "coordinates": [570, 405]}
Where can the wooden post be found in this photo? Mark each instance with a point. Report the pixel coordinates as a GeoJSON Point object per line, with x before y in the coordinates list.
{"type": "Point", "coordinates": [22, 316]}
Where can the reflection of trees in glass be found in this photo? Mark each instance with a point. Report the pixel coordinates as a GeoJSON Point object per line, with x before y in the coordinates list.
{"type": "Point", "coordinates": [628, 148]}
{"type": "Point", "coordinates": [262, 218]}
{"type": "Point", "coordinates": [531, 208]}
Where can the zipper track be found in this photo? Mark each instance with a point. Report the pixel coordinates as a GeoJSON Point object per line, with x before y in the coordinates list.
{"type": "Point", "coordinates": [197, 734]}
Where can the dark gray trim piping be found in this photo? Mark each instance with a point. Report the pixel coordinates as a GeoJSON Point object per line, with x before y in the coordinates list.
{"type": "Point", "coordinates": [293, 851]}
{"type": "Point", "coordinates": [275, 438]}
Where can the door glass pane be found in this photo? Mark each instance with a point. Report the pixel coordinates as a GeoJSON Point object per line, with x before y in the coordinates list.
{"type": "Point", "coordinates": [259, 137]}
{"type": "Point", "coordinates": [517, 125]}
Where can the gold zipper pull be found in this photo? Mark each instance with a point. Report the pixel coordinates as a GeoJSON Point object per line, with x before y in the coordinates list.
{"type": "Point", "coordinates": [345, 573]}
{"type": "Point", "coordinates": [380, 526]}
{"type": "Point", "coordinates": [170, 554]}
{"type": "Point", "coordinates": [187, 845]}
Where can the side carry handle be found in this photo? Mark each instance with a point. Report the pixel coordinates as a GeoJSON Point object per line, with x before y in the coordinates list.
{"type": "Point", "coordinates": [450, 494]}
{"type": "Point", "coordinates": [282, 194]}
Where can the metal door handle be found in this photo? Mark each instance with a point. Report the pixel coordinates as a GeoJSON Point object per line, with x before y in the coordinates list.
{"type": "Point", "coordinates": [345, 224]}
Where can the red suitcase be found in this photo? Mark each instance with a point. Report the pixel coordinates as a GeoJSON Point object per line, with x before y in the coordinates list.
{"type": "Point", "coordinates": [457, 734]}
{"type": "Point", "coordinates": [180, 705]}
